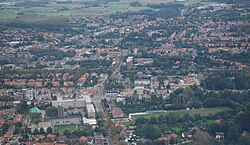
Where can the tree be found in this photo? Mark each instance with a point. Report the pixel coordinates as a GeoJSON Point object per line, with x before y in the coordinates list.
{"type": "Point", "coordinates": [173, 118]}
{"type": "Point", "coordinates": [153, 120]}
{"type": "Point", "coordinates": [42, 130]}
{"type": "Point", "coordinates": [49, 130]}
{"type": "Point", "coordinates": [140, 121]}
{"type": "Point", "coordinates": [233, 133]}
{"type": "Point", "coordinates": [151, 132]}
{"type": "Point", "coordinates": [244, 140]}
{"type": "Point", "coordinates": [243, 120]}
{"type": "Point", "coordinates": [36, 118]}
{"type": "Point", "coordinates": [197, 116]}
{"type": "Point", "coordinates": [36, 131]}
{"type": "Point", "coordinates": [186, 117]}
{"type": "Point", "coordinates": [18, 124]}
{"type": "Point", "coordinates": [67, 133]}
{"type": "Point", "coordinates": [52, 111]}
{"type": "Point", "coordinates": [201, 138]}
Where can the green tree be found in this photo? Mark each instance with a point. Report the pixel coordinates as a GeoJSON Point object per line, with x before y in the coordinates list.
{"type": "Point", "coordinates": [42, 130]}
{"type": "Point", "coordinates": [51, 111]}
{"type": "Point", "coordinates": [36, 131]}
{"type": "Point", "coordinates": [66, 133]}
{"type": "Point", "coordinates": [49, 130]}
{"type": "Point", "coordinates": [201, 138]}
{"type": "Point", "coordinates": [151, 132]}
{"type": "Point", "coordinates": [18, 124]}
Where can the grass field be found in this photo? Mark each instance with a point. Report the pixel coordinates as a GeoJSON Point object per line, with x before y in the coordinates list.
{"type": "Point", "coordinates": [202, 112]}
{"type": "Point", "coordinates": [148, 1]}
{"type": "Point", "coordinates": [61, 128]}
{"type": "Point", "coordinates": [193, 1]}
{"type": "Point", "coordinates": [7, 15]}
{"type": "Point", "coordinates": [76, 8]}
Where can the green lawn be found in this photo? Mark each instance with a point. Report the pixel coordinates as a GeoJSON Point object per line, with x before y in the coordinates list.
{"type": "Point", "coordinates": [67, 10]}
{"type": "Point", "coordinates": [114, 7]}
{"type": "Point", "coordinates": [209, 122]}
{"type": "Point", "coordinates": [177, 129]}
{"type": "Point", "coordinates": [61, 128]}
{"type": "Point", "coordinates": [7, 15]}
{"type": "Point", "coordinates": [202, 112]}
{"type": "Point", "coordinates": [128, 123]}
{"type": "Point", "coordinates": [193, 1]}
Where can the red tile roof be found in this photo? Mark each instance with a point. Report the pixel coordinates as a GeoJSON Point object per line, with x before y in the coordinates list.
{"type": "Point", "coordinates": [1, 138]}
{"type": "Point", "coordinates": [117, 112]}
{"type": "Point", "coordinates": [38, 143]}
{"type": "Point", "coordinates": [51, 136]}
{"type": "Point", "coordinates": [17, 118]}
{"type": "Point", "coordinates": [163, 139]}
{"type": "Point", "coordinates": [41, 136]}
{"type": "Point", "coordinates": [83, 138]}
{"type": "Point", "coordinates": [218, 121]}
{"type": "Point", "coordinates": [2, 121]}
{"type": "Point", "coordinates": [174, 136]}
{"type": "Point", "coordinates": [48, 143]}
{"type": "Point", "coordinates": [28, 143]}
{"type": "Point", "coordinates": [8, 134]}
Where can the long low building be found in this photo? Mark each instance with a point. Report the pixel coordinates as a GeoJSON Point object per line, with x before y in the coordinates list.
{"type": "Point", "coordinates": [70, 103]}
{"type": "Point", "coordinates": [65, 120]}
{"type": "Point", "coordinates": [90, 110]}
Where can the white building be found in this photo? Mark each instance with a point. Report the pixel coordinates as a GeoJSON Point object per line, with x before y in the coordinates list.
{"type": "Point", "coordinates": [90, 110]}
{"type": "Point", "coordinates": [71, 103]}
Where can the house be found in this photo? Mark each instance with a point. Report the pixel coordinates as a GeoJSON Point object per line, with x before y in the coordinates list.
{"type": "Point", "coordinates": [187, 134]}
{"type": "Point", "coordinates": [48, 143]}
{"type": "Point", "coordinates": [174, 136]}
{"type": "Point", "coordinates": [90, 121]}
{"type": "Point", "coordinates": [127, 92]}
{"type": "Point", "coordinates": [8, 135]}
{"type": "Point", "coordinates": [117, 112]}
{"type": "Point", "coordinates": [219, 135]}
{"type": "Point", "coordinates": [18, 118]}
{"type": "Point", "coordinates": [1, 139]}
{"type": "Point", "coordinates": [142, 81]}
{"type": "Point", "coordinates": [1, 121]}
{"type": "Point", "coordinates": [123, 134]}
{"type": "Point", "coordinates": [83, 139]}
{"type": "Point", "coordinates": [51, 136]}
{"type": "Point", "coordinates": [28, 143]}
{"type": "Point", "coordinates": [99, 139]}
{"type": "Point", "coordinates": [44, 125]}
{"type": "Point", "coordinates": [164, 139]}
{"type": "Point", "coordinates": [41, 137]}
{"type": "Point", "coordinates": [218, 121]}
{"type": "Point", "coordinates": [111, 93]}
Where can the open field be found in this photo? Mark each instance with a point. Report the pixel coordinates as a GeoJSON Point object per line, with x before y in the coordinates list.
{"type": "Point", "coordinates": [202, 112]}
{"type": "Point", "coordinates": [122, 7]}
{"type": "Point", "coordinates": [148, 1]}
{"type": "Point", "coordinates": [61, 128]}
{"type": "Point", "coordinates": [22, 11]}
{"type": "Point", "coordinates": [193, 1]}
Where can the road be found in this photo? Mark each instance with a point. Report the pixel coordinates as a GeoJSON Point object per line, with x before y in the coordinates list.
{"type": "Point", "coordinates": [98, 96]}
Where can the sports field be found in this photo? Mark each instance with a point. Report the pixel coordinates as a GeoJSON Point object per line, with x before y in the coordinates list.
{"type": "Point", "coordinates": [202, 112]}
{"type": "Point", "coordinates": [62, 128]}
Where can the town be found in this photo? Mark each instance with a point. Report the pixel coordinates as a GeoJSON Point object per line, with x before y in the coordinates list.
{"type": "Point", "coordinates": [173, 73]}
